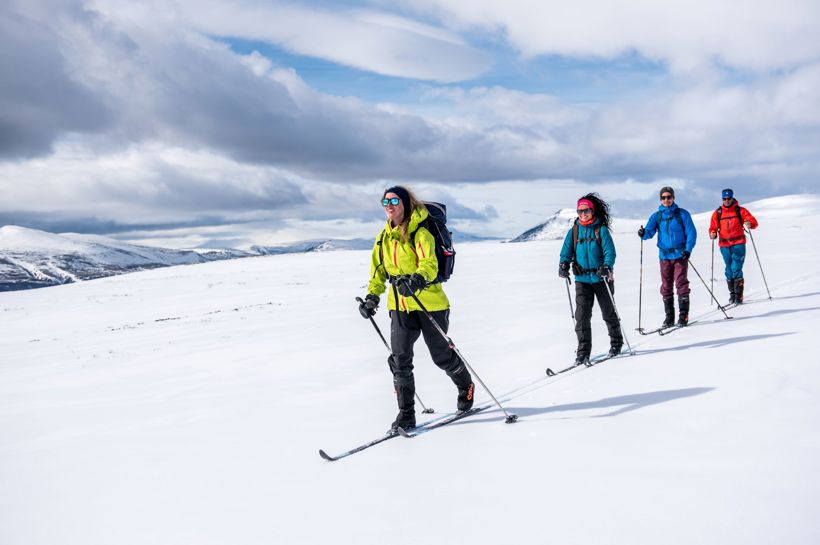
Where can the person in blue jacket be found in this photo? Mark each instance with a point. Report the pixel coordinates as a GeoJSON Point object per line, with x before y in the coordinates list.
{"type": "Point", "coordinates": [676, 240]}
{"type": "Point", "coordinates": [589, 250]}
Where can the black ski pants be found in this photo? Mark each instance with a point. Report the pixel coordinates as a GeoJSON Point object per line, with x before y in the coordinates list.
{"type": "Point", "coordinates": [585, 295]}
{"type": "Point", "coordinates": [405, 328]}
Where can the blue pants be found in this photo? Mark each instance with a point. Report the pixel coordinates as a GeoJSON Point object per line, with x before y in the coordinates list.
{"type": "Point", "coordinates": [734, 256]}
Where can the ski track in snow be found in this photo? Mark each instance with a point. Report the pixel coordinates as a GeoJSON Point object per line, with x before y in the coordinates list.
{"type": "Point", "coordinates": [187, 405]}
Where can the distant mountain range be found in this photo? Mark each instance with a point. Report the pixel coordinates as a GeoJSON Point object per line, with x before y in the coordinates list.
{"type": "Point", "coordinates": [33, 259]}
{"type": "Point", "coordinates": [555, 228]}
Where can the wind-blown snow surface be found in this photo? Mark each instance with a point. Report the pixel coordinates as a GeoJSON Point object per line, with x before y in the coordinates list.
{"type": "Point", "coordinates": [187, 405]}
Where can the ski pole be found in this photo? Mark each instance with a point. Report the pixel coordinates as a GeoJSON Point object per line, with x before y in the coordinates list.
{"type": "Point", "coordinates": [640, 289]}
{"type": "Point", "coordinates": [379, 331]}
{"type": "Point", "coordinates": [713, 266]}
{"type": "Point", "coordinates": [510, 417]}
{"type": "Point", "coordinates": [617, 314]}
{"type": "Point", "coordinates": [705, 285]}
{"type": "Point", "coordinates": [572, 310]}
{"type": "Point", "coordinates": [758, 262]}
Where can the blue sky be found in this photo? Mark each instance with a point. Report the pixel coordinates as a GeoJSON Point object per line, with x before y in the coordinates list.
{"type": "Point", "coordinates": [203, 123]}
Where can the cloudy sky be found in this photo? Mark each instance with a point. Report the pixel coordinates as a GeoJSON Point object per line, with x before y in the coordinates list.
{"type": "Point", "coordinates": [189, 123]}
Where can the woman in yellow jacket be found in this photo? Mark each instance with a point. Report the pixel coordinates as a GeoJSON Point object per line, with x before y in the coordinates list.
{"type": "Point", "coordinates": [404, 255]}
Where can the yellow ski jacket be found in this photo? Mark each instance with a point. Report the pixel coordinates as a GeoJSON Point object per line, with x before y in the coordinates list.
{"type": "Point", "coordinates": [392, 256]}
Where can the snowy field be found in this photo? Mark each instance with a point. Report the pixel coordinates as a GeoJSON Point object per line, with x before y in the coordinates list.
{"type": "Point", "coordinates": [187, 405]}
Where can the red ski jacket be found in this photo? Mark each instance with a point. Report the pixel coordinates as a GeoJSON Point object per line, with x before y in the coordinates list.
{"type": "Point", "coordinates": [727, 222]}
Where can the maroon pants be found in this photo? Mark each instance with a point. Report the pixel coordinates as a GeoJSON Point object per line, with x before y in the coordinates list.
{"type": "Point", "coordinates": [674, 271]}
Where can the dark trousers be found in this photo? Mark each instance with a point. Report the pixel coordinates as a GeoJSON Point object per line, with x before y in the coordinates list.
{"type": "Point", "coordinates": [674, 272]}
{"type": "Point", "coordinates": [405, 328]}
{"type": "Point", "coordinates": [585, 295]}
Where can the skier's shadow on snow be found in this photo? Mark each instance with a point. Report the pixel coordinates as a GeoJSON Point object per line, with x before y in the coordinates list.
{"type": "Point", "coordinates": [714, 343]}
{"type": "Point", "coordinates": [775, 313]}
{"type": "Point", "coordinates": [621, 404]}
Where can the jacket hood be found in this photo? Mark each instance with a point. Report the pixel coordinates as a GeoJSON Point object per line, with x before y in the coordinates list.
{"type": "Point", "coordinates": [418, 216]}
{"type": "Point", "coordinates": [668, 210]}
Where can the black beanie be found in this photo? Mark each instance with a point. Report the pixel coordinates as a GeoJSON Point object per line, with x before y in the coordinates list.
{"type": "Point", "coordinates": [667, 189]}
{"type": "Point", "coordinates": [403, 195]}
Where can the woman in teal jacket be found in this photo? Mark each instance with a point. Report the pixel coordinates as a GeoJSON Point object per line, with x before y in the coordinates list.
{"type": "Point", "coordinates": [589, 249]}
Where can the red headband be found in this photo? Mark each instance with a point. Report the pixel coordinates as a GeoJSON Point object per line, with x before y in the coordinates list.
{"type": "Point", "coordinates": [588, 203]}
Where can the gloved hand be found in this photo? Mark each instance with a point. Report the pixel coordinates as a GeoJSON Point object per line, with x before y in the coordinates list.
{"type": "Point", "coordinates": [368, 307]}
{"type": "Point", "coordinates": [410, 284]}
{"type": "Point", "coordinates": [747, 224]}
{"type": "Point", "coordinates": [604, 271]}
{"type": "Point", "coordinates": [686, 255]}
{"type": "Point", "coordinates": [563, 269]}
{"type": "Point", "coordinates": [641, 231]}
{"type": "Point", "coordinates": [713, 235]}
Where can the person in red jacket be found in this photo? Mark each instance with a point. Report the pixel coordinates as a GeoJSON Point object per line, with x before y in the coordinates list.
{"type": "Point", "coordinates": [727, 225]}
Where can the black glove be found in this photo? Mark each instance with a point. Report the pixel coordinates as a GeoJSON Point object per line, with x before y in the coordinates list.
{"type": "Point", "coordinates": [604, 271]}
{"type": "Point", "coordinates": [641, 231]}
{"type": "Point", "coordinates": [685, 255]}
{"type": "Point", "coordinates": [563, 269]}
{"type": "Point", "coordinates": [410, 284]}
{"type": "Point", "coordinates": [368, 307]}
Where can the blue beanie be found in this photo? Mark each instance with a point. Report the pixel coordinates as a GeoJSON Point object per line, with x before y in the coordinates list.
{"type": "Point", "coordinates": [728, 194]}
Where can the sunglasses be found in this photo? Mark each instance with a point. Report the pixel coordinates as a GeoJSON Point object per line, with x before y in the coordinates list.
{"type": "Point", "coordinates": [584, 211]}
{"type": "Point", "coordinates": [667, 198]}
{"type": "Point", "coordinates": [394, 201]}
{"type": "Point", "coordinates": [727, 198]}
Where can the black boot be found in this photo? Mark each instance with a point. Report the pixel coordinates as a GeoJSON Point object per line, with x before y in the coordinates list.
{"type": "Point", "coordinates": [465, 397]}
{"type": "Point", "coordinates": [405, 395]}
{"type": "Point", "coordinates": [404, 420]}
{"type": "Point", "coordinates": [464, 382]}
{"type": "Point", "coordinates": [732, 296]}
{"type": "Point", "coordinates": [739, 290]}
{"type": "Point", "coordinates": [683, 316]}
{"type": "Point", "coordinates": [582, 359]}
{"type": "Point", "coordinates": [669, 309]}
{"type": "Point", "coordinates": [614, 350]}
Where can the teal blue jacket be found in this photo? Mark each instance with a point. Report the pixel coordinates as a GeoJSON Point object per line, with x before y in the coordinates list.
{"type": "Point", "coordinates": [589, 255]}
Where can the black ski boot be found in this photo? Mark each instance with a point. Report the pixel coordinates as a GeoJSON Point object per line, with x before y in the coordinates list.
{"type": "Point", "coordinates": [683, 316]}
{"type": "Point", "coordinates": [739, 282]}
{"type": "Point", "coordinates": [582, 359]}
{"type": "Point", "coordinates": [669, 309]}
{"type": "Point", "coordinates": [405, 395]}
{"type": "Point", "coordinates": [732, 295]}
{"type": "Point", "coordinates": [614, 350]}
{"type": "Point", "coordinates": [405, 420]}
{"type": "Point", "coordinates": [465, 397]}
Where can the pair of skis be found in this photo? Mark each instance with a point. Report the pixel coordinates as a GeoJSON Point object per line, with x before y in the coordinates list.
{"type": "Point", "coordinates": [409, 433]}
{"type": "Point", "coordinates": [665, 330]}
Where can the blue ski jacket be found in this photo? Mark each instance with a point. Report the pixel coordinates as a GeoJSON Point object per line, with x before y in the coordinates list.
{"type": "Point", "coordinates": [589, 255]}
{"type": "Point", "coordinates": [676, 231]}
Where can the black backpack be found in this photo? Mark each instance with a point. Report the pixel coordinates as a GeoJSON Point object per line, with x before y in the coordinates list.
{"type": "Point", "coordinates": [436, 224]}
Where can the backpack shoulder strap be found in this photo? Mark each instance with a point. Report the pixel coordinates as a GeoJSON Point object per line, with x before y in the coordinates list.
{"type": "Point", "coordinates": [574, 239]}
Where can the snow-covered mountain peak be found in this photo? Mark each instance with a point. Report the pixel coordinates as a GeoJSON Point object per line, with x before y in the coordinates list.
{"type": "Point", "coordinates": [555, 228]}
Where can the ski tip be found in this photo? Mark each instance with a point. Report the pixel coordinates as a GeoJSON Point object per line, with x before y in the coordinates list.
{"type": "Point", "coordinates": [326, 456]}
{"type": "Point", "coordinates": [550, 372]}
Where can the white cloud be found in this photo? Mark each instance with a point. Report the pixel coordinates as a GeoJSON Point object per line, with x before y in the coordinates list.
{"type": "Point", "coordinates": [746, 34]}
{"type": "Point", "coordinates": [366, 39]}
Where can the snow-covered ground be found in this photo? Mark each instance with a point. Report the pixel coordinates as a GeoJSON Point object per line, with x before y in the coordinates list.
{"type": "Point", "coordinates": [187, 405]}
